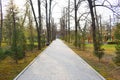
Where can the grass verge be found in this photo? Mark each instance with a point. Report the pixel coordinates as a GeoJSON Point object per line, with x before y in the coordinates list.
{"type": "Point", "coordinates": [9, 69]}
{"type": "Point", "coordinates": [106, 67]}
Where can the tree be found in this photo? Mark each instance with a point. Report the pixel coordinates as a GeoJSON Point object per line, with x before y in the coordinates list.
{"type": "Point", "coordinates": [14, 25]}
{"type": "Point", "coordinates": [68, 20]}
{"type": "Point", "coordinates": [40, 23]}
{"type": "Point", "coordinates": [54, 29]}
{"type": "Point", "coordinates": [117, 40]}
{"type": "Point", "coordinates": [1, 25]}
{"type": "Point", "coordinates": [30, 27]}
{"type": "Point", "coordinates": [8, 23]}
{"type": "Point", "coordinates": [48, 19]}
{"type": "Point", "coordinates": [49, 24]}
{"type": "Point", "coordinates": [37, 25]}
{"type": "Point", "coordinates": [95, 27]}
{"type": "Point", "coordinates": [75, 6]}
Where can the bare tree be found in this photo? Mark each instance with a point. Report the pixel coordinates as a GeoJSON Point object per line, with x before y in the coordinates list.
{"type": "Point", "coordinates": [47, 24]}
{"type": "Point", "coordinates": [68, 20]}
{"type": "Point", "coordinates": [37, 26]}
{"type": "Point", "coordinates": [1, 22]}
{"type": "Point", "coordinates": [40, 23]}
{"type": "Point", "coordinates": [75, 6]}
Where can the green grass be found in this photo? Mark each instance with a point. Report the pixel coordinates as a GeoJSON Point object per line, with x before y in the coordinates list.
{"type": "Point", "coordinates": [4, 44]}
{"type": "Point", "coordinates": [9, 69]}
{"type": "Point", "coordinates": [109, 48]}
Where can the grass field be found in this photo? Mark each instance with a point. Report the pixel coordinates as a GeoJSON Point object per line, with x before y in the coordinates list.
{"type": "Point", "coordinates": [109, 48]}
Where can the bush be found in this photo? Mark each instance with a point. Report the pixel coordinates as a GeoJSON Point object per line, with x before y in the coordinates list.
{"type": "Point", "coordinates": [117, 39]}
{"type": "Point", "coordinates": [2, 54]}
{"type": "Point", "coordinates": [99, 54]}
{"type": "Point", "coordinates": [111, 42]}
{"type": "Point", "coordinates": [19, 55]}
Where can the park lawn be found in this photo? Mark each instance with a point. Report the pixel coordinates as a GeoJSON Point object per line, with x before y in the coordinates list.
{"type": "Point", "coordinates": [106, 67]}
{"type": "Point", "coordinates": [4, 44]}
{"type": "Point", "coordinates": [9, 69]}
{"type": "Point", "coordinates": [108, 48]}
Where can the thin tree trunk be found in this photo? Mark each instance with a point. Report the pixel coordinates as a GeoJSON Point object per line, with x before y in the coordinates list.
{"type": "Point", "coordinates": [1, 23]}
{"type": "Point", "coordinates": [110, 30]}
{"type": "Point", "coordinates": [93, 24]}
{"type": "Point", "coordinates": [15, 37]}
{"type": "Point", "coordinates": [66, 25]}
{"type": "Point", "coordinates": [39, 12]}
{"type": "Point", "coordinates": [101, 30]}
{"type": "Point", "coordinates": [38, 32]}
{"type": "Point", "coordinates": [31, 30]}
{"type": "Point", "coordinates": [75, 6]}
{"type": "Point", "coordinates": [47, 26]}
{"type": "Point", "coordinates": [68, 20]}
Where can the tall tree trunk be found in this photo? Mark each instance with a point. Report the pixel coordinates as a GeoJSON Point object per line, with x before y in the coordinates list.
{"type": "Point", "coordinates": [101, 30]}
{"type": "Point", "coordinates": [31, 30]}
{"type": "Point", "coordinates": [110, 29]}
{"type": "Point", "coordinates": [38, 32]}
{"type": "Point", "coordinates": [15, 38]}
{"type": "Point", "coordinates": [66, 24]}
{"type": "Point", "coordinates": [93, 24]}
{"type": "Point", "coordinates": [75, 6]}
{"type": "Point", "coordinates": [1, 23]}
{"type": "Point", "coordinates": [39, 12]}
{"type": "Point", "coordinates": [68, 20]}
{"type": "Point", "coordinates": [47, 24]}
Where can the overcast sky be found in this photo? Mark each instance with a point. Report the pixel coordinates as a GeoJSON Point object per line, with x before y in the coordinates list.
{"type": "Point", "coordinates": [59, 6]}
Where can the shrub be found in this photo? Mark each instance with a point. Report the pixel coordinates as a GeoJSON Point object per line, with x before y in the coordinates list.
{"type": "Point", "coordinates": [117, 39]}
{"type": "Point", "coordinates": [19, 55]}
{"type": "Point", "coordinates": [2, 54]}
{"type": "Point", "coordinates": [111, 42]}
{"type": "Point", "coordinates": [99, 54]}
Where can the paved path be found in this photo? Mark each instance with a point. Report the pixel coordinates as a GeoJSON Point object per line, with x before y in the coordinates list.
{"type": "Point", "coordinates": [58, 62]}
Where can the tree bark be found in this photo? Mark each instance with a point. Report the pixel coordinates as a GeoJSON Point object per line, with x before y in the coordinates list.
{"type": "Point", "coordinates": [75, 6]}
{"type": "Point", "coordinates": [38, 32]}
{"type": "Point", "coordinates": [93, 24]}
{"type": "Point", "coordinates": [1, 23]}
{"type": "Point", "coordinates": [68, 20]}
{"type": "Point", "coordinates": [15, 38]}
{"type": "Point", "coordinates": [40, 24]}
{"type": "Point", "coordinates": [47, 24]}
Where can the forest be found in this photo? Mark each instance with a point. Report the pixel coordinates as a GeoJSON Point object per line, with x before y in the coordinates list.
{"type": "Point", "coordinates": [27, 32]}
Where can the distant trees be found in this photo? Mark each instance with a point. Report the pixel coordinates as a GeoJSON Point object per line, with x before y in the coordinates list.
{"type": "Point", "coordinates": [117, 40]}
{"type": "Point", "coordinates": [94, 24]}
{"type": "Point", "coordinates": [18, 32]}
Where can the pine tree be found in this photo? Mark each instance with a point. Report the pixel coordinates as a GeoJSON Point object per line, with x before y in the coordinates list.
{"type": "Point", "coordinates": [14, 32]}
{"type": "Point", "coordinates": [117, 39]}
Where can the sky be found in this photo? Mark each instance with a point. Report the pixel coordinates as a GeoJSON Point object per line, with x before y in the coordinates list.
{"type": "Point", "coordinates": [57, 9]}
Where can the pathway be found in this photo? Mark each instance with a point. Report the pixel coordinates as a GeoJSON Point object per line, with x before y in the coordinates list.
{"type": "Point", "coordinates": [58, 62]}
